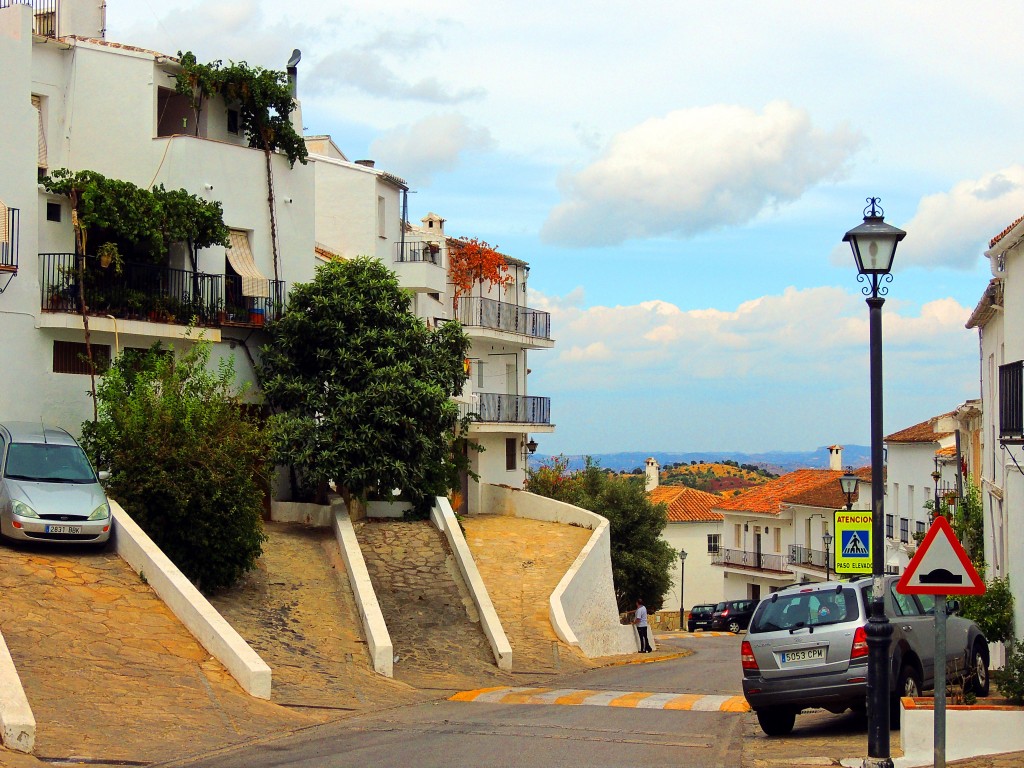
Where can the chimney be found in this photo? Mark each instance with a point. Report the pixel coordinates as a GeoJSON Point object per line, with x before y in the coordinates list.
{"type": "Point", "coordinates": [651, 470]}
{"type": "Point", "coordinates": [835, 458]}
{"type": "Point", "coordinates": [293, 72]}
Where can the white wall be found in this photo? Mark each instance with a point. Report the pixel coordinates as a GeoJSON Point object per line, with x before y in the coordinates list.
{"type": "Point", "coordinates": [704, 581]}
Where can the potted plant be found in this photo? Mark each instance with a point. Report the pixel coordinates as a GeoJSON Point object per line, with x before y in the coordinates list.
{"type": "Point", "coordinates": [108, 254]}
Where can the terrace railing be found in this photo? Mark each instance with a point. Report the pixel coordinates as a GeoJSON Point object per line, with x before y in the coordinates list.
{"type": "Point", "coordinates": [758, 561]}
{"type": "Point", "coordinates": [814, 558]}
{"type": "Point", "coordinates": [417, 252]}
{"type": "Point", "coordinates": [155, 293]}
{"type": "Point", "coordinates": [44, 15]}
{"type": "Point", "coordinates": [509, 409]}
{"type": "Point", "coordinates": [474, 311]}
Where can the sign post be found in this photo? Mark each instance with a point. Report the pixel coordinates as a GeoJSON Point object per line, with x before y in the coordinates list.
{"type": "Point", "coordinates": [940, 567]}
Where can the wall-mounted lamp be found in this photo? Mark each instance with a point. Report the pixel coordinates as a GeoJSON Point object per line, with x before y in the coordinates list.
{"type": "Point", "coordinates": [529, 448]}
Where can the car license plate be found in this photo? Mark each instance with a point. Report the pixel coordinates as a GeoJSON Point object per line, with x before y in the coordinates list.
{"type": "Point", "coordinates": [63, 529]}
{"type": "Point", "coordinates": [806, 654]}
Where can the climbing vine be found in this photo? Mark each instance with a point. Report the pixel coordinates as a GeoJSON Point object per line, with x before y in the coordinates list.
{"type": "Point", "coordinates": [473, 262]}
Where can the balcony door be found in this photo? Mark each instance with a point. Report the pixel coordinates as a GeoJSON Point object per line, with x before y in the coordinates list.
{"type": "Point", "coordinates": [511, 379]}
{"type": "Point", "coordinates": [757, 549]}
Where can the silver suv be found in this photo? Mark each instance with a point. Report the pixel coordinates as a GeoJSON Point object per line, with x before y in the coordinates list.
{"type": "Point", "coordinates": [807, 647]}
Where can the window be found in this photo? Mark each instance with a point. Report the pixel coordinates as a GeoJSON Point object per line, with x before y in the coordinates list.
{"type": "Point", "coordinates": [233, 121]}
{"type": "Point", "coordinates": [381, 217]}
{"type": "Point", "coordinates": [904, 530]}
{"type": "Point", "coordinates": [714, 543]}
{"type": "Point", "coordinates": [70, 357]}
{"type": "Point", "coordinates": [888, 526]}
{"type": "Point", "coordinates": [737, 534]}
{"type": "Point", "coordinates": [778, 539]}
{"type": "Point", "coordinates": [480, 374]}
{"type": "Point", "coordinates": [920, 527]}
{"type": "Point", "coordinates": [904, 603]}
{"type": "Point", "coordinates": [510, 453]}
{"type": "Point", "coordinates": [1011, 399]}
{"type": "Point", "coordinates": [53, 212]}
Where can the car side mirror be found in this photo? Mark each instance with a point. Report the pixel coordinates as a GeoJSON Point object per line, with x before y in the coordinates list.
{"type": "Point", "coordinates": [103, 475]}
{"type": "Point", "coordinates": [952, 606]}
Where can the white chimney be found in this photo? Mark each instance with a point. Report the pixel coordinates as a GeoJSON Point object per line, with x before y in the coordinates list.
{"type": "Point", "coordinates": [835, 458]}
{"type": "Point", "coordinates": [652, 475]}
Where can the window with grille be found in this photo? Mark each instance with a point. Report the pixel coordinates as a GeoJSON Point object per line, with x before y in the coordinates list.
{"type": "Point", "coordinates": [904, 530]}
{"type": "Point", "coordinates": [888, 526]}
{"type": "Point", "coordinates": [1011, 399]}
{"type": "Point", "coordinates": [714, 543]}
{"type": "Point", "coordinates": [71, 357]}
{"type": "Point", "coordinates": [510, 453]}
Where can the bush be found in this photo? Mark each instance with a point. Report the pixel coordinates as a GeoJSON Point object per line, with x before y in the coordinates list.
{"type": "Point", "coordinates": [992, 611]}
{"type": "Point", "coordinates": [185, 461]}
{"type": "Point", "coordinates": [1011, 679]}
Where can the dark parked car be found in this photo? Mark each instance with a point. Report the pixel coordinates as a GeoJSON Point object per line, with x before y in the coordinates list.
{"type": "Point", "coordinates": [807, 647]}
{"type": "Point", "coordinates": [733, 615]}
{"type": "Point", "coordinates": [700, 617]}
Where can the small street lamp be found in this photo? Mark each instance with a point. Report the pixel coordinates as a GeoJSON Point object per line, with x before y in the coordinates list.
{"type": "Point", "coordinates": [682, 578]}
{"type": "Point", "coordinates": [849, 483]}
{"type": "Point", "coordinates": [827, 538]}
{"type": "Point", "coordinates": [874, 247]}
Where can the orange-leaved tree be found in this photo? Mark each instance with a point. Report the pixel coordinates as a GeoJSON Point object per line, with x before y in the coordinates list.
{"type": "Point", "coordinates": [471, 262]}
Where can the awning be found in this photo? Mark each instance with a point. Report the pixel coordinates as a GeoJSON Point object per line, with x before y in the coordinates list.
{"type": "Point", "coordinates": [240, 256]}
{"type": "Point", "coordinates": [5, 236]}
{"type": "Point", "coordinates": [37, 103]}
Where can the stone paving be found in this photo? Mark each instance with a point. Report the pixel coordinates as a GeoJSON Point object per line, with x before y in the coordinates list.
{"type": "Point", "coordinates": [434, 626]}
{"type": "Point", "coordinates": [110, 673]}
{"type": "Point", "coordinates": [521, 562]}
{"type": "Point", "coordinates": [298, 613]}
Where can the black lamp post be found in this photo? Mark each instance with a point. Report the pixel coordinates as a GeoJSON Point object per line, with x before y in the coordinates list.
{"type": "Point", "coordinates": [849, 483]}
{"type": "Point", "coordinates": [682, 578]}
{"type": "Point", "coordinates": [826, 537]}
{"type": "Point", "coordinates": [874, 246]}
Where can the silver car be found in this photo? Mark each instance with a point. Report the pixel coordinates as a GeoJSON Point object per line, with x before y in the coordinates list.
{"type": "Point", "coordinates": [807, 647]}
{"type": "Point", "coordinates": [48, 489]}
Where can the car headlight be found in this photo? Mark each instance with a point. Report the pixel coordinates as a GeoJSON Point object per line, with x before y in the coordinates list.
{"type": "Point", "coordinates": [21, 509]}
{"type": "Point", "coordinates": [102, 512]}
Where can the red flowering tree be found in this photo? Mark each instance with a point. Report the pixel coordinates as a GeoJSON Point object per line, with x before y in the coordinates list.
{"type": "Point", "coordinates": [474, 262]}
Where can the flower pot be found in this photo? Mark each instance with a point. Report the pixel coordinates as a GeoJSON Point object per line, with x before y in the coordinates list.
{"type": "Point", "coordinates": [257, 317]}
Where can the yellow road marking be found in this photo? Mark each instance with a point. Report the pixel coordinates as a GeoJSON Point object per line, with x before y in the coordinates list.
{"type": "Point", "coordinates": [577, 697]}
{"type": "Point", "coordinates": [735, 704]}
{"type": "Point", "coordinates": [629, 700]}
{"type": "Point", "coordinates": [685, 701]}
{"type": "Point", "coordinates": [471, 695]}
{"type": "Point", "coordinates": [523, 697]}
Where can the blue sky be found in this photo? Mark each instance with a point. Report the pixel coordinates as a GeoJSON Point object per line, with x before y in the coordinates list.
{"type": "Point", "coordinates": [680, 177]}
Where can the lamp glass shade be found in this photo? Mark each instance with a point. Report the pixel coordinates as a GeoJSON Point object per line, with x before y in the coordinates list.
{"type": "Point", "coordinates": [874, 245]}
{"type": "Point", "coordinates": [827, 538]}
{"type": "Point", "coordinates": [849, 483]}
{"type": "Point", "coordinates": [682, 555]}
{"type": "Point", "coordinates": [532, 446]}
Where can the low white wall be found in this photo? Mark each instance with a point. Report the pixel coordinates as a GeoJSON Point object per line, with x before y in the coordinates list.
{"type": "Point", "coordinates": [188, 604]}
{"type": "Point", "coordinates": [318, 515]}
{"type": "Point", "coordinates": [387, 508]}
{"type": "Point", "coordinates": [17, 723]}
{"type": "Point", "coordinates": [583, 611]}
{"type": "Point", "coordinates": [444, 518]}
{"type": "Point", "coordinates": [970, 731]}
{"type": "Point", "coordinates": [378, 639]}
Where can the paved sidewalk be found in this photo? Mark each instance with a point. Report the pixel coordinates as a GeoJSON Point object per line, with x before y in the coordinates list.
{"type": "Point", "coordinates": [109, 671]}
{"type": "Point", "coordinates": [521, 562]}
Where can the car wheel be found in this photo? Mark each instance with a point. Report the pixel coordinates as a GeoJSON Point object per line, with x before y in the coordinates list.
{"type": "Point", "coordinates": [907, 684]}
{"type": "Point", "coordinates": [776, 722]}
{"type": "Point", "coordinates": [734, 627]}
{"type": "Point", "coordinates": [978, 682]}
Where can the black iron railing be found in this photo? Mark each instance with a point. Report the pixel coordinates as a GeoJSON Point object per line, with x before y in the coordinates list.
{"type": "Point", "coordinates": [9, 234]}
{"type": "Point", "coordinates": [1011, 399]}
{"type": "Point", "coordinates": [758, 561]}
{"type": "Point", "coordinates": [809, 558]}
{"type": "Point", "coordinates": [509, 409]}
{"type": "Point", "coordinates": [154, 293]}
{"type": "Point", "coordinates": [44, 15]}
{"type": "Point", "coordinates": [417, 251]}
{"type": "Point", "coordinates": [478, 312]}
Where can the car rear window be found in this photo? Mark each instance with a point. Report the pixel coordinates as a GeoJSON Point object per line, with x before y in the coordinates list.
{"type": "Point", "coordinates": [805, 609]}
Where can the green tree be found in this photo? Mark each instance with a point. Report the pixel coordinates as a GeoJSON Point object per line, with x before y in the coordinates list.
{"type": "Point", "coordinates": [641, 559]}
{"type": "Point", "coordinates": [186, 462]}
{"type": "Point", "coordinates": [361, 388]}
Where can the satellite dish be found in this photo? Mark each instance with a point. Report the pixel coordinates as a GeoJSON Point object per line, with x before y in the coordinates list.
{"type": "Point", "coordinates": [296, 58]}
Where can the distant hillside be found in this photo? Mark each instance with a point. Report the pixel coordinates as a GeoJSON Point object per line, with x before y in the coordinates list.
{"type": "Point", "coordinates": [725, 478]}
{"type": "Point", "coordinates": [777, 462]}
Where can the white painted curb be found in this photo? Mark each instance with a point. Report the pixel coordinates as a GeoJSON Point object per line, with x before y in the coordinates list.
{"type": "Point", "coordinates": [378, 639]}
{"type": "Point", "coordinates": [444, 518]}
{"type": "Point", "coordinates": [189, 605]}
{"type": "Point", "coordinates": [970, 732]}
{"type": "Point", "coordinates": [17, 722]}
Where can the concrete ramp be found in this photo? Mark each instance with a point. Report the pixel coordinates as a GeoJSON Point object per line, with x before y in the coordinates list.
{"type": "Point", "coordinates": [434, 626]}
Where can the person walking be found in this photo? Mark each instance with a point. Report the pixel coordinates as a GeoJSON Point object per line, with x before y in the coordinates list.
{"type": "Point", "coordinates": [640, 620]}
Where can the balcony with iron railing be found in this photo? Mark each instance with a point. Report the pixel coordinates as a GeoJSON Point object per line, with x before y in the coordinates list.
{"type": "Point", "coordinates": [158, 294]}
{"type": "Point", "coordinates": [10, 228]}
{"type": "Point", "coordinates": [478, 312]}
{"type": "Point", "coordinates": [807, 558]}
{"type": "Point", "coordinates": [416, 252]}
{"type": "Point", "coordinates": [754, 561]}
{"type": "Point", "coordinates": [419, 266]}
{"type": "Point", "coordinates": [493, 408]}
{"type": "Point", "coordinates": [44, 15]}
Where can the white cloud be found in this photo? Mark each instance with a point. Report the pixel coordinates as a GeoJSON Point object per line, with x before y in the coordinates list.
{"type": "Point", "coordinates": [952, 229]}
{"type": "Point", "coordinates": [435, 144]}
{"type": "Point", "coordinates": [696, 170]}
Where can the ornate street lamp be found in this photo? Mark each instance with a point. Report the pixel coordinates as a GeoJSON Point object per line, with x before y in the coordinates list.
{"type": "Point", "coordinates": [682, 578]}
{"type": "Point", "coordinates": [874, 246]}
{"type": "Point", "coordinates": [827, 538]}
{"type": "Point", "coordinates": [849, 483]}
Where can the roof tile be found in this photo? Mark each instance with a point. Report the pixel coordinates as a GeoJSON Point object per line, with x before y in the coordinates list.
{"type": "Point", "coordinates": [809, 487]}
{"type": "Point", "coordinates": [686, 505]}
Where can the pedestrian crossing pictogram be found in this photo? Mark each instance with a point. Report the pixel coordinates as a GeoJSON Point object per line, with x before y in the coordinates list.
{"type": "Point", "coordinates": [853, 546]}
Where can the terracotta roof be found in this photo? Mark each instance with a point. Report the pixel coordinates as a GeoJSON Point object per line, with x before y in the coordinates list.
{"type": "Point", "coordinates": [326, 253]}
{"type": "Point", "coordinates": [809, 487]}
{"type": "Point", "coordinates": [949, 450]}
{"type": "Point", "coordinates": [1004, 233]}
{"type": "Point", "coordinates": [120, 46]}
{"type": "Point", "coordinates": [686, 505]}
{"type": "Point", "coordinates": [920, 433]}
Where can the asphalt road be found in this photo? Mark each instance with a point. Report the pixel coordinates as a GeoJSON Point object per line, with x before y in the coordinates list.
{"type": "Point", "coordinates": [446, 734]}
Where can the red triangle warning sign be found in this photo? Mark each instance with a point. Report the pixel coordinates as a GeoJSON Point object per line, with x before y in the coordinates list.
{"type": "Point", "coordinates": [940, 566]}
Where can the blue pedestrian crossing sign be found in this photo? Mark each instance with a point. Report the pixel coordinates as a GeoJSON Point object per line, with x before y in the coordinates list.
{"type": "Point", "coordinates": [852, 541]}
